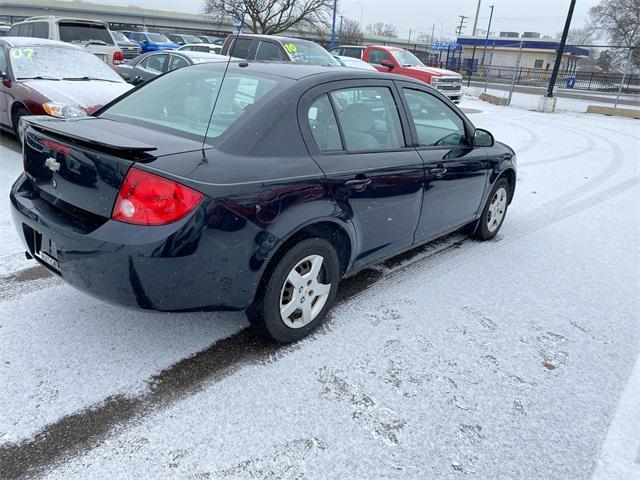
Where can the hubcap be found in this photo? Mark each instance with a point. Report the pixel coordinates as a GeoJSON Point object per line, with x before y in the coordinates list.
{"type": "Point", "coordinates": [303, 294]}
{"type": "Point", "coordinates": [497, 208]}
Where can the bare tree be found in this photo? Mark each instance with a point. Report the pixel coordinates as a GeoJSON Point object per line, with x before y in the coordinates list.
{"type": "Point", "coordinates": [381, 29]}
{"type": "Point", "coordinates": [351, 32]}
{"type": "Point", "coordinates": [619, 21]}
{"type": "Point", "coordinates": [579, 36]}
{"type": "Point", "coordinates": [271, 17]}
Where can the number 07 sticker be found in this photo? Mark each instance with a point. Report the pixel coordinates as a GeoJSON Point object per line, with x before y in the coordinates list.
{"type": "Point", "coordinates": [22, 52]}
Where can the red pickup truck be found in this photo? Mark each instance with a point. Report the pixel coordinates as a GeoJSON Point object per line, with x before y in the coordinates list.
{"type": "Point", "coordinates": [403, 62]}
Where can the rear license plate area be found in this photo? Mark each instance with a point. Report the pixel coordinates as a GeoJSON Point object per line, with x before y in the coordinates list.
{"type": "Point", "coordinates": [45, 250]}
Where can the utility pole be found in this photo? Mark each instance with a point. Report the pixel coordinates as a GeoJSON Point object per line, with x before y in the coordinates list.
{"type": "Point", "coordinates": [340, 30]}
{"type": "Point", "coordinates": [333, 25]}
{"type": "Point", "coordinates": [461, 26]}
{"type": "Point", "coordinates": [475, 22]}
{"type": "Point", "coordinates": [563, 41]}
{"type": "Point", "coordinates": [486, 39]}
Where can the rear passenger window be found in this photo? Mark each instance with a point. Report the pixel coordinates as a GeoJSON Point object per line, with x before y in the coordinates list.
{"type": "Point", "coordinates": [353, 52]}
{"type": "Point", "coordinates": [41, 30]}
{"type": "Point", "coordinates": [176, 62]}
{"type": "Point", "coordinates": [155, 62]}
{"type": "Point", "coordinates": [369, 119]}
{"type": "Point", "coordinates": [269, 51]}
{"type": "Point", "coordinates": [324, 127]}
{"type": "Point", "coordinates": [240, 48]}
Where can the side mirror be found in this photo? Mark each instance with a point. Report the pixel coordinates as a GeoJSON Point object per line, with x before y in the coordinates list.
{"type": "Point", "coordinates": [387, 63]}
{"type": "Point", "coordinates": [124, 75]}
{"type": "Point", "coordinates": [482, 138]}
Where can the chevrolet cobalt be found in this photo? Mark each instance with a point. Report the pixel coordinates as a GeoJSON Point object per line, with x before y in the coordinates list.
{"type": "Point", "coordinates": [255, 188]}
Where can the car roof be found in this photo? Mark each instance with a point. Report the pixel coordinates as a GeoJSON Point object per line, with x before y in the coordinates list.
{"type": "Point", "coordinates": [60, 19]}
{"type": "Point", "coordinates": [348, 46]}
{"type": "Point", "coordinates": [35, 42]}
{"type": "Point", "coordinates": [296, 71]}
{"type": "Point", "coordinates": [271, 37]}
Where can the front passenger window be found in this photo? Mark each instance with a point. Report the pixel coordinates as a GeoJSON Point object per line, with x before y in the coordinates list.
{"type": "Point", "coordinates": [369, 119]}
{"type": "Point", "coordinates": [436, 124]}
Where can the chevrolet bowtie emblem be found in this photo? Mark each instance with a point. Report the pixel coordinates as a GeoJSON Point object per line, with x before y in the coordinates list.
{"type": "Point", "coordinates": [52, 164]}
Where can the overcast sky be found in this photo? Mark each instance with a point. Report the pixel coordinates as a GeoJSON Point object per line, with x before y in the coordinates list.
{"type": "Point", "coordinates": [544, 16]}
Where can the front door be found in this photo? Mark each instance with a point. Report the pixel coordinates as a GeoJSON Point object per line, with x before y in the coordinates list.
{"type": "Point", "coordinates": [360, 141]}
{"type": "Point", "coordinates": [455, 172]}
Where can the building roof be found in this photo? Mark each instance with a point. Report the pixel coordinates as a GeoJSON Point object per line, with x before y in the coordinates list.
{"type": "Point", "coordinates": [527, 43]}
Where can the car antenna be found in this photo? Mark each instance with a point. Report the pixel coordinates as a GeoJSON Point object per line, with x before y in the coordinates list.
{"type": "Point", "coordinates": [232, 47]}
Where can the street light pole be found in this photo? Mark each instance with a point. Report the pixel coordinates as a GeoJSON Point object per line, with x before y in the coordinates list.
{"type": "Point", "coordinates": [475, 22]}
{"type": "Point", "coordinates": [333, 25]}
{"type": "Point", "coordinates": [486, 39]}
{"type": "Point", "coordinates": [563, 41]}
{"type": "Point", "coordinates": [361, 13]}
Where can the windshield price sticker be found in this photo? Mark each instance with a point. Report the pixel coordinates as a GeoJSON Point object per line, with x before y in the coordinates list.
{"type": "Point", "coordinates": [290, 47]}
{"type": "Point", "coordinates": [23, 52]}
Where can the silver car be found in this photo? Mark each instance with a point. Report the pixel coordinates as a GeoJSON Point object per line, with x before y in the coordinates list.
{"type": "Point", "coordinates": [89, 34]}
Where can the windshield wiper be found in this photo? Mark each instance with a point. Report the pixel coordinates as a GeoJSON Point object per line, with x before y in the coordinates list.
{"type": "Point", "coordinates": [39, 77]}
{"type": "Point", "coordinates": [87, 78]}
{"type": "Point", "coordinates": [90, 42]}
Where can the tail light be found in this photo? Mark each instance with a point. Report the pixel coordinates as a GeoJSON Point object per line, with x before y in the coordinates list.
{"type": "Point", "coordinates": [118, 56]}
{"type": "Point", "coordinates": [147, 199]}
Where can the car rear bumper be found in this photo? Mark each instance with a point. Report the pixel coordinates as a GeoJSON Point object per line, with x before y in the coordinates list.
{"type": "Point", "coordinates": [187, 265]}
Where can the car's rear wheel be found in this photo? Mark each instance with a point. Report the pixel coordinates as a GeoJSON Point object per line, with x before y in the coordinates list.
{"type": "Point", "coordinates": [15, 119]}
{"type": "Point", "coordinates": [298, 292]}
{"type": "Point", "coordinates": [494, 211]}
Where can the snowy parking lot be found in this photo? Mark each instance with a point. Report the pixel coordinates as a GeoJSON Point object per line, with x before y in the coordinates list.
{"type": "Point", "coordinates": [515, 358]}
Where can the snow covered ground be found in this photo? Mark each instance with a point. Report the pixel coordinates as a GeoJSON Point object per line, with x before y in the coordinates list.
{"type": "Point", "coordinates": [515, 358]}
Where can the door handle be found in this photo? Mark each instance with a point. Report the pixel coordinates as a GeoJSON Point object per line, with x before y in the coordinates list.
{"type": "Point", "coordinates": [438, 170]}
{"type": "Point", "coordinates": [358, 184]}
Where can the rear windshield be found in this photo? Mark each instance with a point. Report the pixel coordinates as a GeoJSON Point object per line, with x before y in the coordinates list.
{"type": "Point", "coordinates": [119, 37]}
{"type": "Point", "coordinates": [191, 39]}
{"type": "Point", "coordinates": [84, 32]}
{"type": "Point", "coordinates": [58, 63]}
{"type": "Point", "coordinates": [302, 51]}
{"type": "Point", "coordinates": [181, 102]}
{"type": "Point", "coordinates": [157, 38]}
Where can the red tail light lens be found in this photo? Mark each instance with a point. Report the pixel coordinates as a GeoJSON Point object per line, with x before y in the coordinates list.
{"type": "Point", "coordinates": [56, 147]}
{"type": "Point", "coordinates": [147, 199]}
{"type": "Point", "coordinates": [118, 56]}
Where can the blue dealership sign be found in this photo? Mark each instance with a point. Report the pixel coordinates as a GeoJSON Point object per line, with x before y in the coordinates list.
{"type": "Point", "coordinates": [446, 45]}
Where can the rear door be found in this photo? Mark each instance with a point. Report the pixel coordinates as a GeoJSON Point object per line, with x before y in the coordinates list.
{"type": "Point", "coordinates": [4, 69]}
{"type": "Point", "coordinates": [357, 133]}
{"type": "Point", "coordinates": [455, 172]}
{"type": "Point", "coordinates": [150, 67]}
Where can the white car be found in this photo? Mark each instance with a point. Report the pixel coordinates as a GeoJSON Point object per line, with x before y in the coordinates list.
{"type": "Point", "coordinates": [92, 35]}
{"type": "Point", "coordinates": [354, 63]}
{"type": "Point", "coordinates": [202, 47]}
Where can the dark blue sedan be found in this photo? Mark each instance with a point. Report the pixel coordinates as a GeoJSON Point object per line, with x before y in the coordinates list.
{"type": "Point", "coordinates": [253, 191]}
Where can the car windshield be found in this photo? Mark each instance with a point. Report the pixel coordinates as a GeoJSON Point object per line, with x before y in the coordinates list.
{"type": "Point", "coordinates": [119, 37]}
{"type": "Point", "coordinates": [191, 39]}
{"type": "Point", "coordinates": [204, 57]}
{"type": "Point", "coordinates": [58, 63]}
{"type": "Point", "coordinates": [158, 38]}
{"type": "Point", "coordinates": [406, 58]}
{"type": "Point", "coordinates": [85, 33]}
{"type": "Point", "coordinates": [302, 51]}
{"type": "Point", "coordinates": [181, 102]}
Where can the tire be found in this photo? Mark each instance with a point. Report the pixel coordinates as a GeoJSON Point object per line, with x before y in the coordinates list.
{"type": "Point", "coordinates": [15, 119]}
{"type": "Point", "coordinates": [494, 212]}
{"type": "Point", "coordinates": [292, 303]}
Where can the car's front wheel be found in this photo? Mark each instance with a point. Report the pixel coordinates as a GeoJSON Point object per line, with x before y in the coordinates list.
{"type": "Point", "coordinates": [298, 292]}
{"type": "Point", "coordinates": [494, 211]}
{"type": "Point", "coordinates": [17, 115]}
